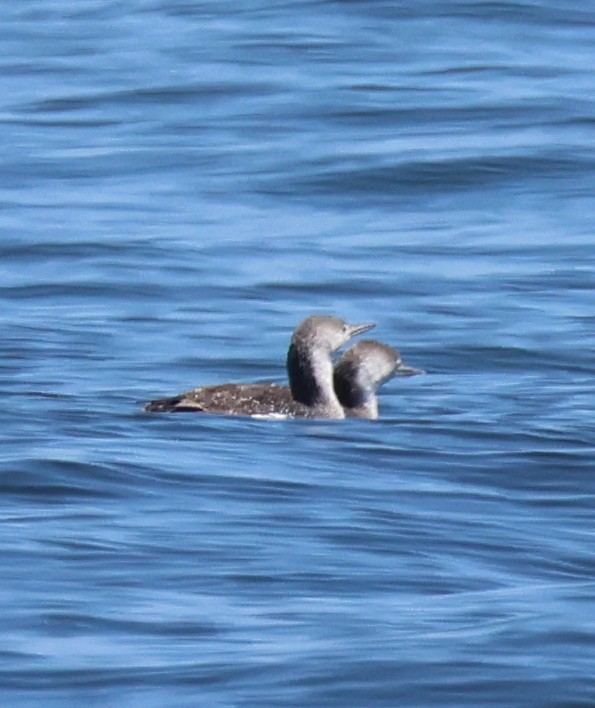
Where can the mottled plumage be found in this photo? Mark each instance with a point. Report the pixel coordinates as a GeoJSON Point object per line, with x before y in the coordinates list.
{"type": "Point", "coordinates": [310, 371]}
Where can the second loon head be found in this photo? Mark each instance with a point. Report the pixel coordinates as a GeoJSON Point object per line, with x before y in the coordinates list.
{"type": "Point", "coordinates": [364, 368]}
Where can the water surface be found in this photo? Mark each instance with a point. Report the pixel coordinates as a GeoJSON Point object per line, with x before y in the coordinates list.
{"type": "Point", "coordinates": [183, 182]}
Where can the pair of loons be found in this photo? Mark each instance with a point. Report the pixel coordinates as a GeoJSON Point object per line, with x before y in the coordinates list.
{"type": "Point", "coordinates": [317, 388]}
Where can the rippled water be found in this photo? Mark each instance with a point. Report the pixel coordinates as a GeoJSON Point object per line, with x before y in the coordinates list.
{"type": "Point", "coordinates": [181, 183]}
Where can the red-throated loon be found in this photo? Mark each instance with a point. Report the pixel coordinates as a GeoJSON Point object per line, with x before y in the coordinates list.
{"type": "Point", "coordinates": [310, 373]}
{"type": "Point", "coordinates": [361, 371]}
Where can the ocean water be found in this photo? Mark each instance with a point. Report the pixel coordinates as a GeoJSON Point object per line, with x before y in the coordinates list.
{"type": "Point", "coordinates": [181, 182]}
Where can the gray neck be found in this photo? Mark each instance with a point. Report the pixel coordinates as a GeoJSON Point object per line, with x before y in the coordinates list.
{"type": "Point", "coordinates": [310, 373]}
{"type": "Point", "coordinates": [355, 393]}
{"type": "Point", "coordinates": [368, 409]}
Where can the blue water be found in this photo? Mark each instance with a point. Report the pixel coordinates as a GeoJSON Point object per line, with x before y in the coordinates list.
{"type": "Point", "coordinates": [181, 183]}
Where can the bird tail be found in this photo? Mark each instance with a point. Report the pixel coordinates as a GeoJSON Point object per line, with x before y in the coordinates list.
{"type": "Point", "coordinates": [163, 405]}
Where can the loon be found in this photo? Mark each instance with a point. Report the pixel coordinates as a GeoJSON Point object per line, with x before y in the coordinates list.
{"type": "Point", "coordinates": [361, 371]}
{"type": "Point", "coordinates": [310, 372]}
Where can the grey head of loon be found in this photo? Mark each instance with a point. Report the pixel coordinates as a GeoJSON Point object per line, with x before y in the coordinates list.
{"type": "Point", "coordinates": [309, 363]}
{"type": "Point", "coordinates": [361, 371]}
